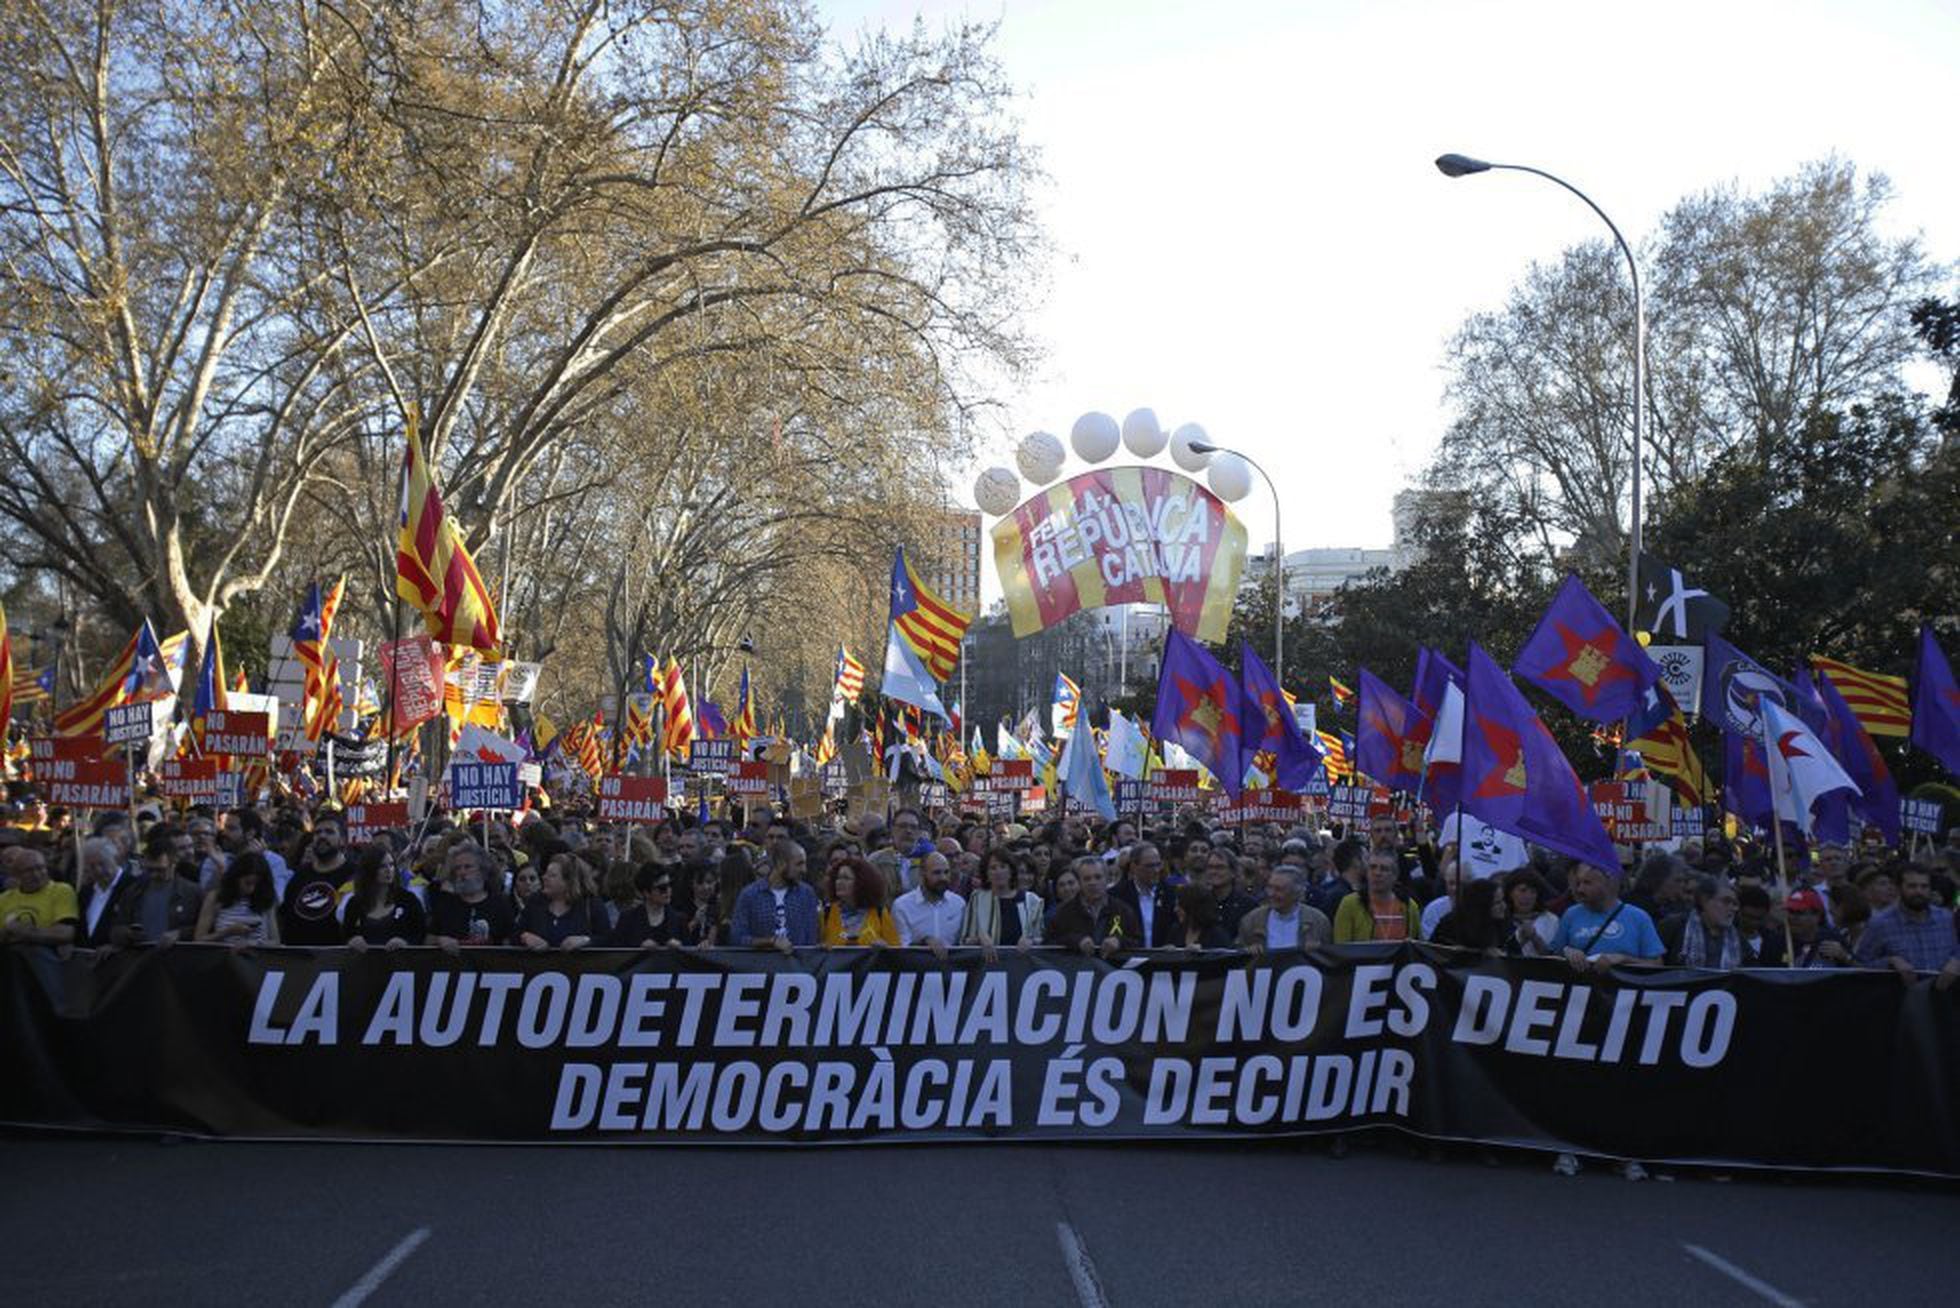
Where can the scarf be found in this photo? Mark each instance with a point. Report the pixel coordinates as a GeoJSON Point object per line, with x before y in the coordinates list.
{"type": "Point", "coordinates": [1694, 947]}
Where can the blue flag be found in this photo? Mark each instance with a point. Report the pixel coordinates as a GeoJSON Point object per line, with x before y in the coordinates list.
{"type": "Point", "coordinates": [1579, 656]}
{"type": "Point", "coordinates": [1514, 776]}
{"type": "Point", "coordinates": [1878, 797]}
{"type": "Point", "coordinates": [1936, 704]}
{"type": "Point", "coordinates": [1082, 773]}
{"type": "Point", "coordinates": [1296, 760]}
{"type": "Point", "coordinates": [1199, 706]}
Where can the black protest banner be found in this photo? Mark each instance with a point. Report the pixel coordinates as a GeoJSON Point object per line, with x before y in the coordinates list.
{"type": "Point", "coordinates": [676, 1046]}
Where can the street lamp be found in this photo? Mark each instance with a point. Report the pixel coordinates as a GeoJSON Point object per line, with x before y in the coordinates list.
{"type": "Point", "coordinates": [1279, 558]}
{"type": "Point", "coordinates": [1461, 165]}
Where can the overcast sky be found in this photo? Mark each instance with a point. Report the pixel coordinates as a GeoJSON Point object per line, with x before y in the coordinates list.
{"type": "Point", "coordinates": [1251, 234]}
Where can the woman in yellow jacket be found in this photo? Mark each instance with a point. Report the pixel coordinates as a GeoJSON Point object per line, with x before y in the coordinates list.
{"type": "Point", "coordinates": [855, 911]}
{"type": "Point", "coordinates": [1377, 912]}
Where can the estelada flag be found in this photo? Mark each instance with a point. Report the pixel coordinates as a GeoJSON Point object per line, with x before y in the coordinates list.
{"type": "Point", "coordinates": [1666, 749]}
{"type": "Point", "coordinates": [433, 569]}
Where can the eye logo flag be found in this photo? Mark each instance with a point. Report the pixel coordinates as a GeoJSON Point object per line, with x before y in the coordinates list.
{"type": "Point", "coordinates": [1672, 609]}
{"type": "Point", "coordinates": [1198, 707]}
{"type": "Point", "coordinates": [1936, 705]}
{"type": "Point", "coordinates": [1270, 726]}
{"type": "Point", "coordinates": [1802, 771]}
{"type": "Point", "coordinates": [930, 627]}
{"type": "Point", "coordinates": [1514, 776]}
{"type": "Point", "coordinates": [1579, 656]}
{"type": "Point", "coordinates": [1880, 701]}
{"type": "Point", "coordinates": [1390, 737]}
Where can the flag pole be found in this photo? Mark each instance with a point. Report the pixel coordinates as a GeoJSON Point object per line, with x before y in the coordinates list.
{"type": "Point", "coordinates": [1776, 826]}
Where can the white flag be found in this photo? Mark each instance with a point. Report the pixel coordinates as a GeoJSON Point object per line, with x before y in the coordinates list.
{"type": "Point", "coordinates": [1126, 755]}
{"type": "Point", "coordinates": [1801, 769]}
{"type": "Point", "coordinates": [1446, 736]}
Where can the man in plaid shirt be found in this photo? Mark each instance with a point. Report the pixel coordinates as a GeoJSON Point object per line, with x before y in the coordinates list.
{"type": "Point", "coordinates": [1915, 935]}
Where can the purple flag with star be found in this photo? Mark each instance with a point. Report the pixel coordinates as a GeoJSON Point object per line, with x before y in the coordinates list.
{"type": "Point", "coordinates": [1582, 658]}
{"type": "Point", "coordinates": [1199, 706]}
{"type": "Point", "coordinates": [1936, 704]}
{"type": "Point", "coordinates": [1268, 714]}
{"type": "Point", "coordinates": [1514, 776]}
{"type": "Point", "coordinates": [1389, 735]}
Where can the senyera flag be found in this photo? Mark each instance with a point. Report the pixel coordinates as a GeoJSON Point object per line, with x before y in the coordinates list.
{"type": "Point", "coordinates": [1121, 536]}
{"type": "Point", "coordinates": [433, 569]}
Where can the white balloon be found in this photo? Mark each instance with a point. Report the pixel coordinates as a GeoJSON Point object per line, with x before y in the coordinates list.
{"type": "Point", "coordinates": [1094, 437]}
{"type": "Point", "coordinates": [1040, 457]}
{"type": "Point", "coordinates": [1181, 452]}
{"type": "Point", "coordinates": [1143, 435]}
{"type": "Point", "coordinates": [996, 491]}
{"type": "Point", "coordinates": [1230, 477]}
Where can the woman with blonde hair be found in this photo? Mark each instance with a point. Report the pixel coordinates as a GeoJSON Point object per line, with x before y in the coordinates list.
{"type": "Point", "coordinates": [565, 913]}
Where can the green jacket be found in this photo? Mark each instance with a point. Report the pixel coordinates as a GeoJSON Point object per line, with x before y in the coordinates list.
{"type": "Point", "coordinates": [1353, 921]}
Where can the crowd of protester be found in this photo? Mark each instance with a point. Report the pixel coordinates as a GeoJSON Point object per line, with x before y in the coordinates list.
{"type": "Point", "coordinates": [559, 880]}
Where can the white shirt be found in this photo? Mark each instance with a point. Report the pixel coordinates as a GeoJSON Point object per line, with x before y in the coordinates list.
{"type": "Point", "coordinates": [918, 918]}
{"type": "Point", "coordinates": [1283, 932]}
{"type": "Point", "coordinates": [1146, 908]}
{"type": "Point", "coordinates": [1432, 913]}
{"type": "Point", "coordinates": [98, 903]}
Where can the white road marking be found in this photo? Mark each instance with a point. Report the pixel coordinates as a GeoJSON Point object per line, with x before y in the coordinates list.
{"type": "Point", "coordinates": [1742, 1278]}
{"type": "Point", "coordinates": [1088, 1287]}
{"type": "Point", "coordinates": [367, 1285]}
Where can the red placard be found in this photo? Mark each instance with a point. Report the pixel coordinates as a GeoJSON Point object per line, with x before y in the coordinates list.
{"type": "Point", "coordinates": [1622, 809]}
{"type": "Point", "coordinates": [635, 799]}
{"type": "Point", "coordinates": [366, 821]}
{"type": "Point", "coordinates": [1012, 774]}
{"type": "Point", "coordinates": [1262, 806]}
{"type": "Point", "coordinates": [95, 784]}
{"type": "Point", "coordinates": [75, 749]}
{"type": "Point", "coordinates": [192, 779]}
{"type": "Point", "coordinates": [412, 671]}
{"type": "Point", "coordinates": [749, 778]}
{"type": "Point", "coordinates": [1173, 786]}
{"type": "Point", "coordinates": [241, 735]}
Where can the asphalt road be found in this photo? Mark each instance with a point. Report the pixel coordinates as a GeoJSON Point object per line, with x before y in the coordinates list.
{"type": "Point", "coordinates": [124, 1221]}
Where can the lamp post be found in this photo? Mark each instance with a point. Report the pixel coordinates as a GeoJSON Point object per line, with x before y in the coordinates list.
{"type": "Point", "coordinates": [1459, 165]}
{"type": "Point", "coordinates": [1279, 559]}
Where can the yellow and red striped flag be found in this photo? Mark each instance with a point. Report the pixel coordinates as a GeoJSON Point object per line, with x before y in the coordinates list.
{"type": "Point", "coordinates": [433, 569]}
{"type": "Point", "coordinates": [850, 677]}
{"type": "Point", "coordinates": [6, 675]}
{"type": "Point", "coordinates": [679, 733]}
{"type": "Point", "coordinates": [931, 626]}
{"type": "Point", "coordinates": [1878, 700]}
{"type": "Point", "coordinates": [1666, 749]}
{"type": "Point", "coordinates": [1335, 754]}
{"type": "Point", "coordinates": [1343, 694]}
